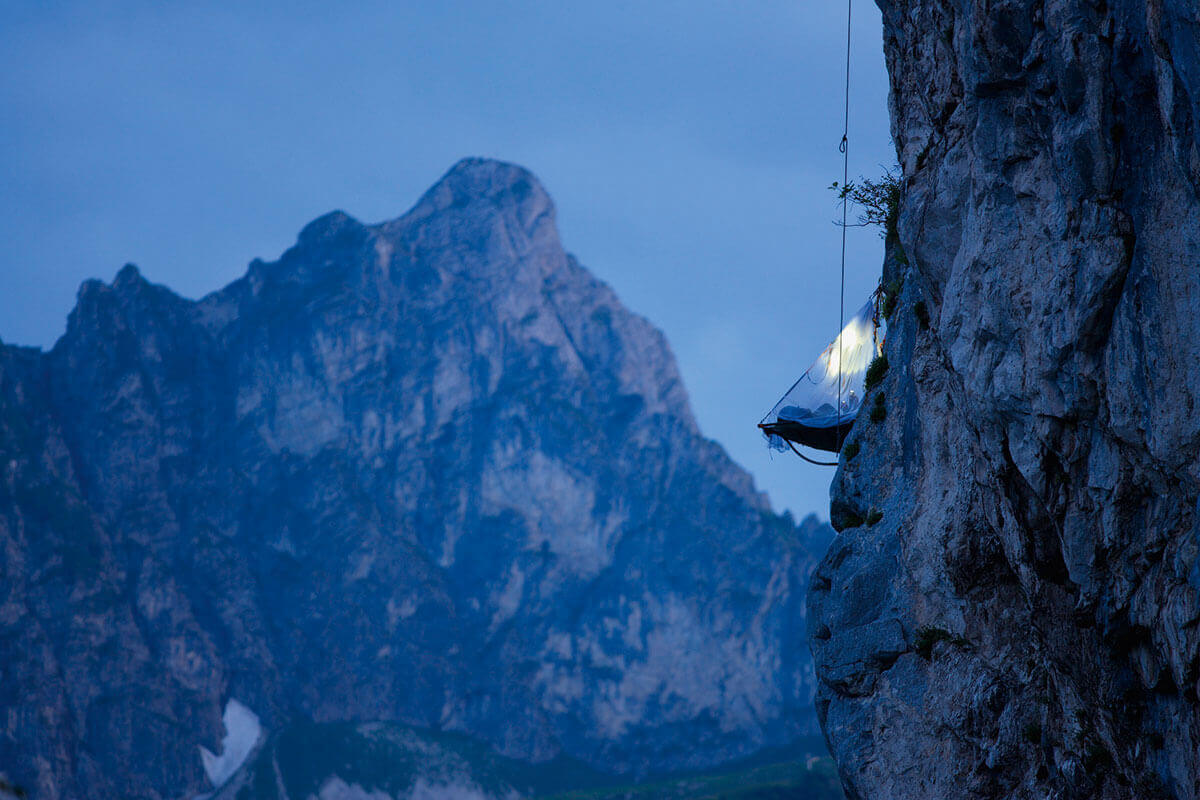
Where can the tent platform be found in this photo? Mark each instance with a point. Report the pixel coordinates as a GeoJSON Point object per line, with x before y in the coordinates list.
{"type": "Point", "coordinates": [829, 438]}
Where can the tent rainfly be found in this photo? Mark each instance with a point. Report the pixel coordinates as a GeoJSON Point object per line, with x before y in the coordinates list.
{"type": "Point", "coordinates": [808, 414]}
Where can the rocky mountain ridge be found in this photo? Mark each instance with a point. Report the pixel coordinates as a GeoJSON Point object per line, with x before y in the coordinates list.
{"type": "Point", "coordinates": [1021, 621]}
{"type": "Point", "coordinates": [428, 471]}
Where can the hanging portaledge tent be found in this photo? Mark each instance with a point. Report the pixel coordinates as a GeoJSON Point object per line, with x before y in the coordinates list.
{"type": "Point", "coordinates": [808, 413]}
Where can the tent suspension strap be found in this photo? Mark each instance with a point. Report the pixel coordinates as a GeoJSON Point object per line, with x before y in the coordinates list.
{"type": "Point", "coordinates": [810, 460]}
{"type": "Point", "coordinates": [844, 147]}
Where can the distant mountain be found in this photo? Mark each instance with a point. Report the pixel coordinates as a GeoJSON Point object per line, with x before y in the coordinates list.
{"type": "Point", "coordinates": [429, 472]}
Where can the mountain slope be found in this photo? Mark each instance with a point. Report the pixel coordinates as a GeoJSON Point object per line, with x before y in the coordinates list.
{"type": "Point", "coordinates": [428, 471]}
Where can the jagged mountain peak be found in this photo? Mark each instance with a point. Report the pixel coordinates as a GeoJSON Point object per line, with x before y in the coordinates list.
{"type": "Point", "coordinates": [129, 303]}
{"type": "Point", "coordinates": [500, 210]}
{"type": "Point", "coordinates": [484, 221]}
{"type": "Point", "coordinates": [128, 274]}
{"type": "Point", "coordinates": [479, 252]}
{"type": "Point", "coordinates": [485, 181]}
{"type": "Point", "coordinates": [331, 227]}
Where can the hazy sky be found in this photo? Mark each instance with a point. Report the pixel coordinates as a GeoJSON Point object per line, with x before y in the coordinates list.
{"type": "Point", "coordinates": [688, 147]}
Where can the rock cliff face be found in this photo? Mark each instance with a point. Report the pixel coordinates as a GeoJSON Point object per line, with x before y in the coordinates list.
{"type": "Point", "coordinates": [429, 471]}
{"type": "Point", "coordinates": [1023, 619]}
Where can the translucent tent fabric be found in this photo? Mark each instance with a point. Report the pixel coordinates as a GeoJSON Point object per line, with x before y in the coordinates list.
{"type": "Point", "coordinates": [812, 402]}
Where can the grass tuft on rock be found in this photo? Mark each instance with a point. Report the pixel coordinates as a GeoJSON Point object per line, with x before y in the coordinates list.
{"type": "Point", "coordinates": [929, 635]}
{"type": "Point", "coordinates": [875, 372]}
{"type": "Point", "coordinates": [891, 296]}
{"type": "Point", "coordinates": [922, 313]}
{"type": "Point", "coordinates": [878, 409]}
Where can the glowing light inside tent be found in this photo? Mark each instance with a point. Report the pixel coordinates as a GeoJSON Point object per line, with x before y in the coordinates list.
{"type": "Point", "coordinates": [814, 400]}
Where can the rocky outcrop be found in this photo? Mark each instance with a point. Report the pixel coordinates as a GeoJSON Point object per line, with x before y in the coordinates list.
{"type": "Point", "coordinates": [1021, 621]}
{"type": "Point", "coordinates": [428, 471]}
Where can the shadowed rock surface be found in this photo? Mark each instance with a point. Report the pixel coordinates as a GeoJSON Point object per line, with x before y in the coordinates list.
{"type": "Point", "coordinates": [1022, 620]}
{"type": "Point", "coordinates": [428, 471]}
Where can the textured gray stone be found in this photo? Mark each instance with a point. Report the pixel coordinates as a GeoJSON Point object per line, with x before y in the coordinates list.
{"type": "Point", "coordinates": [1037, 469]}
{"type": "Point", "coordinates": [428, 471]}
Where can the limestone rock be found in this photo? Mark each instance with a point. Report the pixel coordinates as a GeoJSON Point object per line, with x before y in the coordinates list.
{"type": "Point", "coordinates": [1037, 469]}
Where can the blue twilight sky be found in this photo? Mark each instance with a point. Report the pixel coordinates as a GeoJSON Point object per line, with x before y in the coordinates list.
{"type": "Point", "coordinates": [688, 147]}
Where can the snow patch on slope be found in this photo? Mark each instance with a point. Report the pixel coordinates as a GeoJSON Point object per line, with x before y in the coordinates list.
{"type": "Point", "coordinates": [242, 732]}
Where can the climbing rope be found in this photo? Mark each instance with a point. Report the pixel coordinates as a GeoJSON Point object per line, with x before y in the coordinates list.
{"type": "Point", "coordinates": [844, 148]}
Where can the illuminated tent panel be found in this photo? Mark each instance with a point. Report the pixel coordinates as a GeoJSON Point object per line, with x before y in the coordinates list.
{"type": "Point", "coordinates": [808, 414]}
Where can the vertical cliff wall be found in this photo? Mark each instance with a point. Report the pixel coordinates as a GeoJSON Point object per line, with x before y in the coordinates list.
{"type": "Point", "coordinates": [1022, 619]}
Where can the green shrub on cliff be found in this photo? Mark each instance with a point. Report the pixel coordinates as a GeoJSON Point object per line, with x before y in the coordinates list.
{"type": "Point", "coordinates": [875, 372]}
{"type": "Point", "coordinates": [878, 200]}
